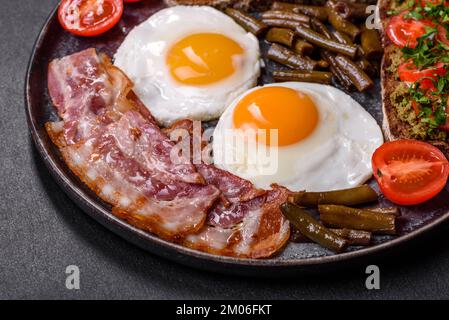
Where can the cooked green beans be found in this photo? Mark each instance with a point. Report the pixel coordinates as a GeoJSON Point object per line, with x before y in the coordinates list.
{"type": "Point", "coordinates": [359, 219]}
{"type": "Point", "coordinates": [394, 211]}
{"type": "Point", "coordinates": [319, 27]}
{"type": "Point", "coordinates": [323, 42]}
{"type": "Point", "coordinates": [367, 67]}
{"type": "Point", "coordinates": [312, 229]}
{"type": "Point", "coordinates": [355, 237]}
{"type": "Point", "coordinates": [371, 45]}
{"type": "Point", "coordinates": [358, 77]}
{"type": "Point", "coordinates": [248, 22]}
{"type": "Point", "coordinates": [349, 10]}
{"type": "Point", "coordinates": [282, 23]}
{"type": "Point", "coordinates": [289, 58]}
{"type": "Point", "coordinates": [319, 12]}
{"type": "Point", "coordinates": [286, 15]}
{"type": "Point", "coordinates": [302, 76]}
{"type": "Point", "coordinates": [342, 24]}
{"type": "Point", "coordinates": [349, 197]}
{"type": "Point", "coordinates": [342, 37]}
{"type": "Point", "coordinates": [281, 35]}
{"type": "Point", "coordinates": [362, 62]}
{"type": "Point", "coordinates": [302, 47]}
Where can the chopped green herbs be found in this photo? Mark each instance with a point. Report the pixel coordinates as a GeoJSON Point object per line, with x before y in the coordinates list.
{"type": "Point", "coordinates": [431, 105]}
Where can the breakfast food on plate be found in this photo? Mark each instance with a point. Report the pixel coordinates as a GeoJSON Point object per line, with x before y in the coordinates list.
{"type": "Point", "coordinates": [189, 63]}
{"type": "Point", "coordinates": [306, 145]}
{"type": "Point", "coordinates": [414, 73]}
{"type": "Point", "coordinates": [325, 138]}
{"type": "Point", "coordinates": [248, 223]}
{"type": "Point", "coordinates": [111, 142]}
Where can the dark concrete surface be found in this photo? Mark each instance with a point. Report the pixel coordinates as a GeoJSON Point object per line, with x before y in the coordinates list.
{"type": "Point", "coordinates": [42, 231]}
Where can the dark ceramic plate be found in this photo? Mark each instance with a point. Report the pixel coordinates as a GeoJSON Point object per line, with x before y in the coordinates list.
{"type": "Point", "coordinates": [53, 42]}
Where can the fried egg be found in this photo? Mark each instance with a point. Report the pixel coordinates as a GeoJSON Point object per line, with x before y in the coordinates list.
{"type": "Point", "coordinates": [303, 136]}
{"type": "Point", "coordinates": [189, 62]}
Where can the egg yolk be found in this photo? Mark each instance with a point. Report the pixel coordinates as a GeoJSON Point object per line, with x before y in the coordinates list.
{"type": "Point", "coordinates": [291, 112]}
{"type": "Point", "coordinates": [203, 58]}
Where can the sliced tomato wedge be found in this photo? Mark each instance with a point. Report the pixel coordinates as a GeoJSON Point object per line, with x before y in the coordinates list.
{"type": "Point", "coordinates": [410, 73]}
{"type": "Point", "coordinates": [410, 172]}
{"type": "Point", "coordinates": [406, 31]}
{"type": "Point", "coordinates": [442, 35]}
{"type": "Point", "coordinates": [89, 18]}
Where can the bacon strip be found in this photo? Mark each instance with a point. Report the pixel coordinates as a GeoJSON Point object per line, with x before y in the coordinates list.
{"type": "Point", "coordinates": [111, 142]}
{"type": "Point", "coordinates": [121, 154]}
{"type": "Point", "coordinates": [262, 232]}
{"type": "Point", "coordinates": [247, 223]}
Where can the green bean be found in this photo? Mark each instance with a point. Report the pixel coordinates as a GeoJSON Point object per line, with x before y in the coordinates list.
{"type": "Point", "coordinates": [312, 11]}
{"type": "Point", "coordinates": [358, 77]}
{"type": "Point", "coordinates": [355, 237]}
{"type": "Point", "coordinates": [323, 42]}
{"type": "Point", "coordinates": [349, 10]}
{"type": "Point", "coordinates": [342, 25]}
{"type": "Point", "coordinates": [335, 69]}
{"type": "Point", "coordinates": [277, 5]}
{"type": "Point", "coordinates": [282, 23]}
{"type": "Point", "coordinates": [367, 67]}
{"type": "Point", "coordinates": [371, 45]}
{"type": "Point", "coordinates": [342, 37]}
{"type": "Point", "coordinates": [248, 22]}
{"type": "Point", "coordinates": [289, 58]}
{"type": "Point", "coordinates": [281, 35]}
{"type": "Point", "coordinates": [329, 57]}
{"type": "Point", "coordinates": [302, 76]}
{"type": "Point", "coordinates": [322, 64]}
{"type": "Point", "coordinates": [317, 12]}
{"type": "Point", "coordinates": [394, 211]}
{"type": "Point", "coordinates": [362, 62]}
{"type": "Point", "coordinates": [349, 197]}
{"type": "Point", "coordinates": [302, 47]}
{"type": "Point", "coordinates": [359, 219]}
{"type": "Point", "coordinates": [286, 15]}
{"type": "Point", "coordinates": [312, 229]}
{"type": "Point", "coordinates": [319, 27]}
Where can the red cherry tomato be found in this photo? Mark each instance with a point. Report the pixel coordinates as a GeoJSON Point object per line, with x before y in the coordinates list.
{"type": "Point", "coordinates": [406, 31]}
{"type": "Point", "coordinates": [410, 73]}
{"type": "Point", "coordinates": [89, 18]}
{"type": "Point", "coordinates": [410, 172]}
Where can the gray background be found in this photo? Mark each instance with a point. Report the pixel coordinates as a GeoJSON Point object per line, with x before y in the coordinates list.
{"type": "Point", "coordinates": [42, 231]}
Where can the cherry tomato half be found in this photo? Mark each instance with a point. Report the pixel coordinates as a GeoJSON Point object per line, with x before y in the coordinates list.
{"type": "Point", "coordinates": [442, 35]}
{"type": "Point", "coordinates": [89, 18]}
{"type": "Point", "coordinates": [406, 31]}
{"type": "Point", "coordinates": [410, 73]}
{"type": "Point", "coordinates": [410, 172]}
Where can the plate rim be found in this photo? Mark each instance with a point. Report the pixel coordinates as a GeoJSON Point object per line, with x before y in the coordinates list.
{"type": "Point", "coordinates": [95, 209]}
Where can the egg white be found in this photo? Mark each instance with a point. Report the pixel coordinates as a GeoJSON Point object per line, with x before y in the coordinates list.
{"type": "Point", "coordinates": [337, 155]}
{"type": "Point", "coordinates": [142, 56]}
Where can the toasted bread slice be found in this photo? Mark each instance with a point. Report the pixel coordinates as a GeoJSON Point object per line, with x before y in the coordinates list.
{"type": "Point", "coordinates": [394, 128]}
